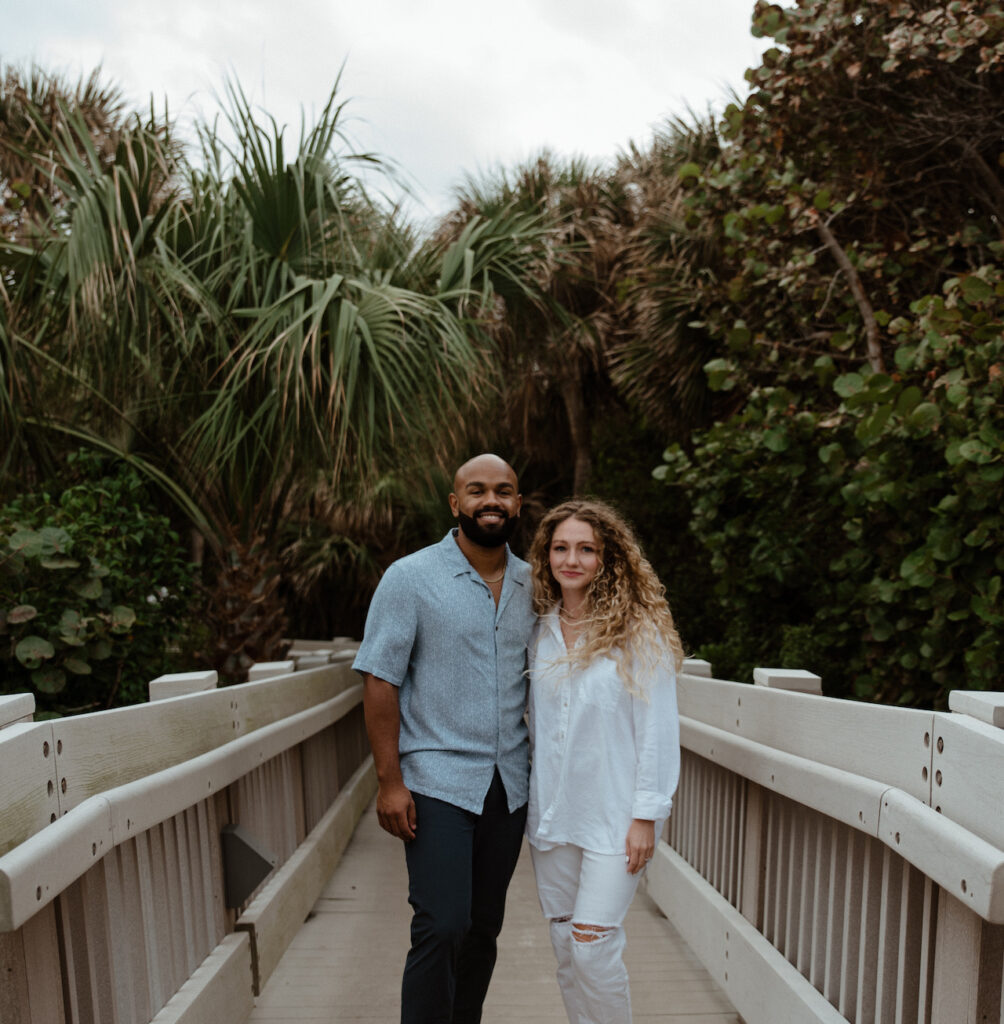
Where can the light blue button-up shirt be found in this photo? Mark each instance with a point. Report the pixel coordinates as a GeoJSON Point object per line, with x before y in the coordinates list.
{"type": "Point", "coordinates": [433, 630]}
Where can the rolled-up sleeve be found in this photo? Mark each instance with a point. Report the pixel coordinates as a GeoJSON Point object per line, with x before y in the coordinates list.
{"type": "Point", "coordinates": [657, 745]}
{"type": "Point", "coordinates": [390, 631]}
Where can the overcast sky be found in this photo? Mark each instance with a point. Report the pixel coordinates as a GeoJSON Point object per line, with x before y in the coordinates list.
{"type": "Point", "coordinates": [440, 87]}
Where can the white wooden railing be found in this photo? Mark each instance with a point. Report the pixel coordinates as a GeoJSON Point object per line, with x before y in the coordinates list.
{"type": "Point", "coordinates": [828, 860]}
{"type": "Point", "coordinates": [836, 861]}
{"type": "Point", "coordinates": [113, 880]}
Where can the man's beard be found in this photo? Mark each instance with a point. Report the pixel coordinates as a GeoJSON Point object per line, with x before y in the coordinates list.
{"type": "Point", "coordinates": [493, 536]}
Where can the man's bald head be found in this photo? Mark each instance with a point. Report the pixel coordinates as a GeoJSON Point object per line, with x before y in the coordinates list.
{"type": "Point", "coordinates": [487, 465]}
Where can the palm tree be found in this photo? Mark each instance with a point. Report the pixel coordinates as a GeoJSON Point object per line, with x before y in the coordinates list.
{"type": "Point", "coordinates": [32, 103]}
{"type": "Point", "coordinates": [555, 338]}
{"type": "Point", "coordinates": [657, 361]}
{"type": "Point", "coordinates": [250, 329]}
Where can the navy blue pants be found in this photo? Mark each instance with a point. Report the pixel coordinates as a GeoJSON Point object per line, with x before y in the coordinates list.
{"type": "Point", "coordinates": [459, 867]}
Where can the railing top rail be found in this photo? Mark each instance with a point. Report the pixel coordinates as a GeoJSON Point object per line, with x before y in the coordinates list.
{"type": "Point", "coordinates": [50, 767]}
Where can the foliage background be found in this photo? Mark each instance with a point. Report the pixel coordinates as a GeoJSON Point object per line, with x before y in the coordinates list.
{"type": "Point", "coordinates": [792, 312]}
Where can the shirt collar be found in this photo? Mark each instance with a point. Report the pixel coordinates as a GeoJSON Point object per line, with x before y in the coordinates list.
{"type": "Point", "coordinates": [456, 560]}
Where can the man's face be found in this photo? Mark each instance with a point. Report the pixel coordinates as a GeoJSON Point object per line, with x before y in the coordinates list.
{"type": "Point", "coordinates": [486, 501]}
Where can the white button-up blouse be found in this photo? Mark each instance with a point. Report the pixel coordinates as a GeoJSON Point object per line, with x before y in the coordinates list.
{"type": "Point", "coordinates": [600, 756]}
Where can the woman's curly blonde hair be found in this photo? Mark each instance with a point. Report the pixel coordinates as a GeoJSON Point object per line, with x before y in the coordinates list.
{"type": "Point", "coordinates": [628, 617]}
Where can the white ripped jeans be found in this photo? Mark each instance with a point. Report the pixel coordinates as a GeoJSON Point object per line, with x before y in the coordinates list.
{"type": "Point", "coordinates": [586, 896]}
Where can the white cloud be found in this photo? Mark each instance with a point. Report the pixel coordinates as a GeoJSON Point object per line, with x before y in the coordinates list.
{"type": "Point", "coordinates": [439, 86]}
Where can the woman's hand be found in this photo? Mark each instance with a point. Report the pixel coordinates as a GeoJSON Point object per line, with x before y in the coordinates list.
{"type": "Point", "coordinates": [639, 845]}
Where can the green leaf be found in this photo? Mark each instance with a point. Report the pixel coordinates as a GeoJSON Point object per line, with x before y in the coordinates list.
{"type": "Point", "coordinates": [90, 589]}
{"type": "Point", "coordinates": [27, 542]}
{"type": "Point", "coordinates": [945, 545]}
{"type": "Point", "coordinates": [849, 384]}
{"type": "Point", "coordinates": [33, 650]}
{"type": "Point", "coordinates": [831, 453]}
{"type": "Point", "coordinates": [22, 613]}
{"type": "Point", "coordinates": [909, 398]}
{"type": "Point", "coordinates": [776, 439]}
{"type": "Point", "coordinates": [77, 666]}
{"type": "Point", "coordinates": [739, 337]}
{"type": "Point", "coordinates": [905, 356]}
{"type": "Point", "coordinates": [719, 373]}
{"type": "Point", "coordinates": [925, 417]}
{"type": "Point", "coordinates": [122, 618]}
{"type": "Point", "coordinates": [871, 427]}
{"type": "Point", "coordinates": [975, 290]}
{"type": "Point", "coordinates": [989, 611]}
{"type": "Point", "coordinates": [98, 650]}
{"type": "Point", "coordinates": [49, 679]}
{"type": "Point", "coordinates": [689, 170]}
{"type": "Point", "coordinates": [59, 562]}
{"type": "Point", "coordinates": [55, 540]}
{"type": "Point", "coordinates": [822, 199]}
{"type": "Point", "coordinates": [915, 569]}
{"type": "Point", "coordinates": [70, 620]}
{"type": "Point", "coordinates": [975, 451]}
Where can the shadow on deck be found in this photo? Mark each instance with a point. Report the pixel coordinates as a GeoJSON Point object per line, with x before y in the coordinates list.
{"type": "Point", "coordinates": [345, 964]}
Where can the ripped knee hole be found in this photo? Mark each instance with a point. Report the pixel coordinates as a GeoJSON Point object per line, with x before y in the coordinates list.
{"type": "Point", "coordinates": [589, 932]}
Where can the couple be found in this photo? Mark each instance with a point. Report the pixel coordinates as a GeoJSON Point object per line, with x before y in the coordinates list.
{"type": "Point", "coordinates": [449, 635]}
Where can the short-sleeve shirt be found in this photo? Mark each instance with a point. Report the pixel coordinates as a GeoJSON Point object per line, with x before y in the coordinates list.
{"type": "Point", "coordinates": [433, 630]}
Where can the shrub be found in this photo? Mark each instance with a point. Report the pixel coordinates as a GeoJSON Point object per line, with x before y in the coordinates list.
{"type": "Point", "coordinates": [95, 591]}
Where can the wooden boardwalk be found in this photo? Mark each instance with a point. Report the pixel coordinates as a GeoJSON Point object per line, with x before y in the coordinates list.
{"type": "Point", "coordinates": [344, 966]}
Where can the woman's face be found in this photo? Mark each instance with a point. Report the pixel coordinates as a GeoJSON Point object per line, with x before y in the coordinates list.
{"type": "Point", "coordinates": [574, 555]}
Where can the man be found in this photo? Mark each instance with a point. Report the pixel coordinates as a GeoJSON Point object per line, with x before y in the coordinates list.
{"type": "Point", "coordinates": [443, 659]}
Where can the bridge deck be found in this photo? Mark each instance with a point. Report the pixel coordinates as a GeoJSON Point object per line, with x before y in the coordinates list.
{"type": "Point", "coordinates": [344, 966]}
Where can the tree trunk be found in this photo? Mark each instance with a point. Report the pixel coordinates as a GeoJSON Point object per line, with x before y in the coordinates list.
{"type": "Point", "coordinates": [579, 429]}
{"type": "Point", "coordinates": [858, 291]}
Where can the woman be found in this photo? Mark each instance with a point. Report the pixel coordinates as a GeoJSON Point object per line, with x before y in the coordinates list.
{"type": "Point", "coordinates": [604, 740]}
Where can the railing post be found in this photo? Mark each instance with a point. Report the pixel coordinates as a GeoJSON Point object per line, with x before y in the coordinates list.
{"type": "Point", "coordinates": [967, 965]}
{"type": "Point", "coordinates": [788, 679]}
{"type": "Point", "coordinates": [182, 684]}
{"type": "Point", "coordinates": [754, 866]}
{"type": "Point", "coordinates": [20, 707]}
{"type": "Point", "coordinates": [978, 704]}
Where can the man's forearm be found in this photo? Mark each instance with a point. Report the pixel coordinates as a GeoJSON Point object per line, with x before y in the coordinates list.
{"type": "Point", "coordinates": [395, 806]}
{"type": "Point", "coordinates": [383, 727]}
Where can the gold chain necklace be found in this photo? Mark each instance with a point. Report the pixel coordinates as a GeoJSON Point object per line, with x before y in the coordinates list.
{"type": "Point", "coordinates": [497, 578]}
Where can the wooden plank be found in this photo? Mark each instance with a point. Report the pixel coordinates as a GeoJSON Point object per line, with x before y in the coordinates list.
{"type": "Point", "coordinates": [956, 963]}
{"type": "Point", "coordinates": [962, 863]}
{"type": "Point", "coordinates": [218, 990]}
{"type": "Point", "coordinates": [852, 799]}
{"type": "Point", "coordinates": [16, 708]}
{"type": "Point", "coordinates": [182, 684]}
{"type": "Point", "coordinates": [99, 752]}
{"type": "Point", "coordinates": [30, 797]}
{"type": "Point", "coordinates": [39, 869]}
{"type": "Point", "coordinates": [14, 1008]}
{"type": "Point", "coordinates": [278, 912]}
{"type": "Point", "coordinates": [795, 680]}
{"type": "Point", "coordinates": [261, 703]}
{"type": "Point", "coordinates": [269, 669]}
{"type": "Point", "coordinates": [968, 766]}
{"type": "Point", "coordinates": [107, 749]}
{"type": "Point", "coordinates": [41, 954]}
{"type": "Point", "coordinates": [761, 984]}
{"type": "Point", "coordinates": [753, 855]}
{"type": "Point", "coordinates": [979, 704]}
{"type": "Point", "coordinates": [882, 743]}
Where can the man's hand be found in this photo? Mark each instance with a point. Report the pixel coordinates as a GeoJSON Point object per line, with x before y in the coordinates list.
{"type": "Point", "coordinates": [396, 810]}
{"type": "Point", "coordinates": [395, 807]}
{"type": "Point", "coordinates": [639, 845]}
